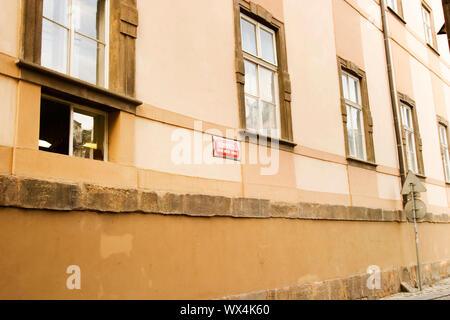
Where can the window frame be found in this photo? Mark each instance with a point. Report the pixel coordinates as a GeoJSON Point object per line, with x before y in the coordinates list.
{"type": "Point", "coordinates": [359, 107]}
{"type": "Point", "coordinates": [273, 67]}
{"type": "Point", "coordinates": [73, 106]}
{"type": "Point", "coordinates": [405, 100]}
{"type": "Point", "coordinates": [347, 67]}
{"type": "Point", "coordinates": [397, 10]}
{"type": "Point", "coordinates": [71, 39]}
{"type": "Point", "coordinates": [432, 43]}
{"type": "Point", "coordinates": [408, 129]}
{"type": "Point", "coordinates": [257, 58]}
{"type": "Point", "coordinates": [265, 18]}
{"type": "Point", "coordinates": [119, 90]}
{"type": "Point", "coordinates": [444, 124]}
{"type": "Point", "coordinates": [393, 4]}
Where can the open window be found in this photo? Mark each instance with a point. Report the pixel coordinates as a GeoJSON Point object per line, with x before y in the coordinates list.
{"type": "Point", "coordinates": [73, 130]}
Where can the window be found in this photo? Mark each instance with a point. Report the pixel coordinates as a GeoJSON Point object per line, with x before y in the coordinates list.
{"type": "Point", "coordinates": [411, 140]}
{"type": "Point", "coordinates": [261, 78]}
{"type": "Point", "coordinates": [410, 137]}
{"type": "Point", "coordinates": [428, 24]}
{"type": "Point", "coordinates": [396, 7]}
{"type": "Point", "coordinates": [73, 130]}
{"type": "Point", "coordinates": [355, 122]}
{"type": "Point", "coordinates": [393, 4]}
{"type": "Point", "coordinates": [74, 38]}
{"type": "Point", "coordinates": [356, 114]}
{"type": "Point", "coordinates": [67, 40]}
{"type": "Point", "coordinates": [71, 51]}
{"type": "Point", "coordinates": [443, 135]}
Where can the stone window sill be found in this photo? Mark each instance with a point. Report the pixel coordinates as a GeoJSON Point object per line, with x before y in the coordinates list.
{"type": "Point", "coordinates": [397, 15]}
{"type": "Point", "coordinates": [265, 140]}
{"type": "Point", "coordinates": [421, 176]}
{"type": "Point", "coordinates": [60, 84]}
{"type": "Point", "coordinates": [433, 49]}
{"type": "Point", "coordinates": [362, 163]}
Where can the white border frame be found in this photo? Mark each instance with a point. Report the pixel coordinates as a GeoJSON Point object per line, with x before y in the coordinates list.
{"type": "Point", "coordinates": [413, 131]}
{"type": "Point", "coordinates": [351, 104]}
{"type": "Point", "coordinates": [443, 138]}
{"type": "Point", "coordinates": [261, 63]}
{"type": "Point", "coordinates": [426, 17]}
{"type": "Point", "coordinates": [216, 155]}
{"type": "Point", "coordinates": [71, 38]}
{"type": "Point", "coordinates": [394, 5]}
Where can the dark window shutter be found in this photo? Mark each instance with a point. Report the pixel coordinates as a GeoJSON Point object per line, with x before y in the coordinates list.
{"type": "Point", "coordinates": [32, 31]}
{"type": "Point", "coordinates": [124, 21]}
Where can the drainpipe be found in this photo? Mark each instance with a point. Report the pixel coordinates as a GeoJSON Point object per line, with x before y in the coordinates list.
{"type": "Point", "coordinates": [394, 96]}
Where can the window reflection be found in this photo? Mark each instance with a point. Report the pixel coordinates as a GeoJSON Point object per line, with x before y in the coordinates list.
{"type": "Point", "coordinates": [74, 38]}
{"type": "Point", "coordinates": [88, 135]}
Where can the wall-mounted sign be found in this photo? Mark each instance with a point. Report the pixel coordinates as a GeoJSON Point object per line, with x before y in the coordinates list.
{"type": "Point", "coordinates": [419, 206]}
{"type": "Point", "coordinates": [226, 148]}
{"type": "Point", "coordinates": [412, 180]}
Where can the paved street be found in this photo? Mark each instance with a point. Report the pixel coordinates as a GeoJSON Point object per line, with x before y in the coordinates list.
{"type": "Point", "coordinates": [438, 291]}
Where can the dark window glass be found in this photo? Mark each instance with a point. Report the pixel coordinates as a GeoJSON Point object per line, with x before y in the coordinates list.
{"type": "Point", "coordinates": [54, 127]}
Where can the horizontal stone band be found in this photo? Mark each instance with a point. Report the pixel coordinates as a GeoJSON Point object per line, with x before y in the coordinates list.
{"type": "Point", "coordinates": [29, 193]}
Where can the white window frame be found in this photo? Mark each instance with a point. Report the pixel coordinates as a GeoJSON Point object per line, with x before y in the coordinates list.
{"type": "Point", "coordinates": [71, 38]}
{"type": "Point", "coordinates": [426, 17]}
{"type": "Point", "coordinates": [409, 128]}
{"type": "Point", "coordinates": [260, 62]}
{"type": "Point", "coordinates": [393, 5]}
{"type": "Point", "coordinates": [351, 104]}
{"type": "Point", "coordinates": [443, 136]}
{"type": "Point", "coordinates": [73, 106]}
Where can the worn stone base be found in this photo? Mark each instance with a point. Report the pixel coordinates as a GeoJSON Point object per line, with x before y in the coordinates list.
{"type": "Point", "coordinates": [27, 193]}
{"type": "Point", "coordinates": [354, 287]}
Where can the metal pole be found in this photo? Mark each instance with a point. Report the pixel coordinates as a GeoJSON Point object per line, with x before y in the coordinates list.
{"type": "Point", "coordinates": [419, 266]}
{"type": "Point", "coordinates": [393, 92]}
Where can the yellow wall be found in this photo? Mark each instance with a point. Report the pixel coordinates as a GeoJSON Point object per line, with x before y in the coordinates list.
{"type": "Point", "coordinates": [182, 79]}
{"type": "Point", "coordinates": [10, 36]}
{"type": "Point", "coordinates": [8, 92]}
{"type": "Point", "coordinates": [186, 72]}
{"type": "Point", "coordinates": [182, 64]}
{"type": "Point", "coordinates": [160, 257]}
{"type": "Point", "coordinates": [315, 96]}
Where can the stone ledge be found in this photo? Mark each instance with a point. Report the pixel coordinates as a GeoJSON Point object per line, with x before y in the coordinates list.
{"type": "Point", "coordinates": [353, 287]}
{"type": "Point", "coordinates": [95, 198]}
{"type": "Point", "coordinates": [46, 195]}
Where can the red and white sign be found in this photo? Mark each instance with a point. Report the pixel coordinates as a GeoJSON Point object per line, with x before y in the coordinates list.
{"type": "Point", "coordinates": [226, 148]}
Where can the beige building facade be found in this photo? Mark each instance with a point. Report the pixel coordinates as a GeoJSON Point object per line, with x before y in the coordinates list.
{"type": "Point", "coordinates": [107, 160]}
